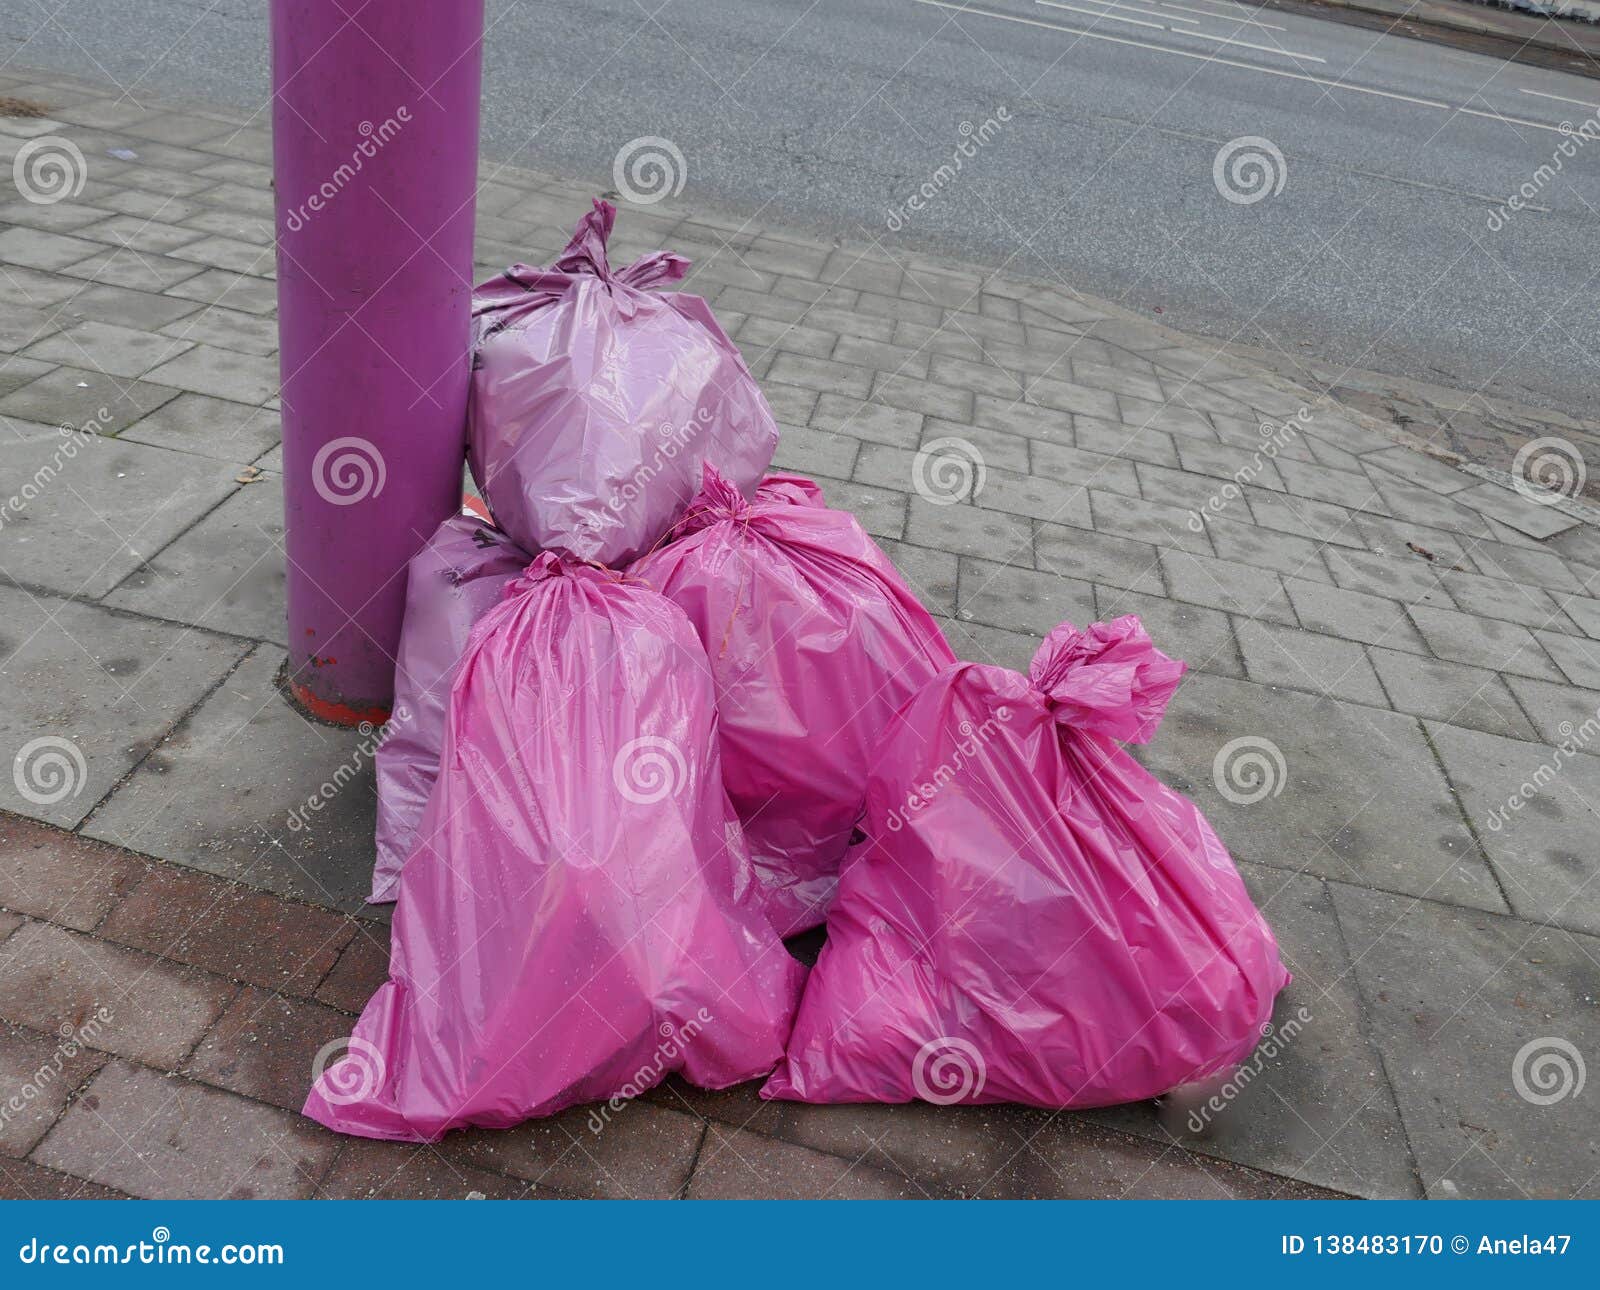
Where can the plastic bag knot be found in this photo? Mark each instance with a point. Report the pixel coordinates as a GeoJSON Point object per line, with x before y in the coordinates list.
{"type": "Point", "coordinates": [1109, 678]}
{"type": "Point", "coordinates": [717, 500]}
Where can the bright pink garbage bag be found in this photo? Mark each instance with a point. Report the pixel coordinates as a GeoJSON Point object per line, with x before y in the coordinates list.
{"type": "Point", "coordinates": [594, 401]}
{"type": "Point", "coordinates": [451, 583]}
{"type": "Point", "coordinates": [572, 924]}
{"type": "Point", "coordinates": [814, 642]}
{"type": "Point", "coordinates": [1032, 917]}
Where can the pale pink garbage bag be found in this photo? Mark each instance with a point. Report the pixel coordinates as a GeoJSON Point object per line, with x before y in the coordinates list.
{"type": "Point", "coordinates": [814, 642]}
{"type": "Point", "coordinates": [571, 925]}
{"type": "Point", "coordinates": [594, 401]}
{"type": "Point", "coordinates": [1033, 917]}
{"type": "Point", "coordinates": [451, 583]}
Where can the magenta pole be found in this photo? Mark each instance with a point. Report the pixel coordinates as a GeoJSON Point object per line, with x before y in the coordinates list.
{"type": "Point", "coordinates": [375, 155]}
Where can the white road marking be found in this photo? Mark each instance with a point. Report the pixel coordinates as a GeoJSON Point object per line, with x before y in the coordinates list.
{"type": "Point", "coordinates": [1103, 17]}
{"type": "Point", "coordinates": [1265, 49]}
{"type": "Point", "coordinates": [1233, 62]}
{"type": "Point", "coordinates": [1210, 13]}
{"type": "Point", "coordinates": [1562, 98]}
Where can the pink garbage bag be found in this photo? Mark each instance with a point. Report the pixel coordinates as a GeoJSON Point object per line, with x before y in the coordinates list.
{"type": "Point", "coordinates": [451, 583]}
{"type": "Point", "coordinates": [1032, 917]}
{"type": "Point", "coordinates": [572, 924]}
{"type": "Point", "coordinates": [814, 642]}
{"type": "Point", "coordinates": [594, 401]}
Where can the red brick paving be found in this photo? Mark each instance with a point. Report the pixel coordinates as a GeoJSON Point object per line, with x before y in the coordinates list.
{"type": "Point", "coordinates": [217, 998]}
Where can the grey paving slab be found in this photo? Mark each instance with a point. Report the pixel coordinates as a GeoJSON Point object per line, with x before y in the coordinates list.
{"type": "Point", "coordinates": [1537, 813]}
{"type": "Point", "coordinates": [1132, 443]}
{"type": "Point", "coordinates": [106, 347]}
{"type": "Point", "coordinates": [810, 451]}
{"type": "Point", "coordinates": [1400, 537]}
{"type": "Point", "coordinates": [1485, 642]}
{"type": "Point", "coordinates": [1313, 1102]}
{"type": "Point", "coordinates": [1578, 658]}
{"type": "Point", "coordinates": [1410, 579]}
{"type": "Point", "coordinates": [122, 307]}
{"type": "Point", "coordinates": [221, 373]}
{"type": "Point", "coordinates": [1223, 584]}
{"type": "Point", "coordinates": [84, 692]}
{"type": "Point", "coordinates": [1418, 469]}
{"type": "Point", "coordinates": [217, 794]}
{"type": "Point", "coordinates": [235, 290]}
{"type": "Point", "coordinates": [1355, 492]}
{"type": "Point", "coordinates": [1343, 791]}
{"type": "Point", "coordinates": [1226, 461]}
{"type": "Point", "coordinates": [227, 329]}
{"type": "Point", "coordinates": [1266, 549]}
{"type": "Point", "coordinates": [1098, 557]}
{"type": "Point", "coordinates": [980, 643]}
{"type": "Point", "coordinates": [1080, 468]}
{"type": "Point", "coordinates": [997, 448]}
{"type": "Point", "coordinates": [1145, 521]}
{"type": "Point", "coordinates": [1584, 611]}
{"type": "Point", "coordinates": [1510, 507]}
{"type": "Point", "coordinates": [1427, 507]}
{"type": "Point", "coordinates": [881, 511]}
{"type": "Point", "coordinates": [1021, 599]}
{"type": "Point", "coordinates": [1303, 660]}
{"type": "Point", "coordinates": [228, 431]}
{"type": "Point", "coordinates": [102, 507]}
{"type": "Point", "coordinates": [36, 249]}
{"type": "Point", "coordinates": [969, 530]}
{"type": "Point", "coordinates": [76, 396]}
{"type": "Point", "coordinates": [1041, 498]}
{"type": "Point", "coordinates": [135, 270]}
{"type": "Point", "coordinates": [930, 574]}
{"type": "Point", "coordinates": [1560, 712]}
{"type": "Point", "coordinates": [1544, 568]}
{"type": "Point", "coordinates": [1305, 517]}
{"type": "Point", "coordinates": [1027, 420]}
{"type": "Point", "coordinates": [871, 421]}
{"type": "Point", "coordinates": [1354, 615]}
{"type": "Point", "coordinates": [1452, 692]}
{"type": "Point", "coordinates": [1514, 602]}
{"type": "Point", "coordinates": [1202, 638]}
{"type": "Point", "coordinates": [226, 573]}
{"type": "Point", "coordinates": [1473, 1013]}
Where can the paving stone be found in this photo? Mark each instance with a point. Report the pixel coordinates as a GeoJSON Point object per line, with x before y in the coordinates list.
{"type": "Point", "coordinates": [1418, 469]}
{"type": "Point", "coordinates": [1026, 420]}
{"type": "Point", "coordinates": [118, 1000]}
{"type": "Point", "coordinates": [76, 396]}
{"type": "Point", "coordinates": [1312, 1102]}
{"type": "Point", "coordinates": [871, 421]}
{"type": "Point", "coordinates": [225, 573]}
{"type": "Point", "coordinates": [790, 404]}
{"type": "Point", "coordinates": [803, 449]}
{"type": "Point", "coordinates": [1560, 713]}
{"type": "Point", "coordinates": [1510, 507]}
{"type": "Point", "coordinates": [1203, 638]}
{"type": "Point", "coordinates": [898, 360]}
{"type": "Point", "coordinates": [84, 693]}
{"type": "Point", "coordinates": [1400, 538]}
{"type": "Point", "coordinates": [1020, 599]}
{"type": "Point", "coordinates": [149, 235]}
{"type": "Point", "coordinates": [23, 1180]}
{"type": "Point", "coordinates": [222, 373]}
{"type": "Point", "coordinates": [59, 876]}
{"type": "Point", "coordinates": [1353, 615]}
{"type": "Point", "coordinates": [758, 336]}
{"type": "Point", "coordinates": [1577, 658]}
{"type": "Point", "coordinates": [969, 530]}
{"type": "Point", "coordinates": [1536, 811]}
{"type": "Point", "coordinates": [1082, 469]}
{"type": "Point", "coordinates": [1354, 492]}
{"type": "Point", "coordinates": [1131, 443]}
{"type": "Point", "coordinates": [1426, 507]}
{"type": "Point", "coordinates": [1513, 602]}
{"type": "Point", "coordinates": [166, 1138]}
{"type": "Point", "coordinates": [21, 327]}
{"type": "Point", "coordinates": [22, 288]}
{"type": "Point", "coordinates": [1544, 568]}
{"type": "Point", "coordinates": [1412, 580]}
{"type": "Point", "coordinates": [38, 1073]}
{"type": "Point", "coordinates": [987, 377]}
{"type": "Point", "coordinates": [361, 969]}
{"type": "Point", "coordinates": [218, 794]}
{"type": "Point", "coordinates": [16, 372]}
{"type": "Point", "coordinates": [896, 469]}
{"type": "Point", "coordinates": [882, 511]}
{"type": "Point", "coordinates": [636, 1150]}
{"type": "Point", "coordinates": [1464, 1005]}
{"type": "Point", "coordinates": [227, 329]}
{"type": "Point", "coordinates": [995, 447]}
{"type": "Point", "coordinates": [1305, 660]}
{"type": "Point", "coordinates": [822, 375]}
{"type": "Point", "coordinates": [265, 1047]}
{"type": "Point", "coordinates": [1321, 808]}
{"type": "Point", "coordinates": [1305, 517]}
{"type": "Point", "coordinates": [1057, 501]}
{"type": "Point", "coordinates": [232, 432]}
{"type": "Point", "coordinates": [1451, 692]}
{"type": "Point", "coordinates": [118, 351]}
{"type": "Point", "coordinates": [36, 249]}
{"type": "Point", "coordinates": [736, 1164]}
{"type": "Point", "coordinates": [134, 270]}
{"type": "Point", "coordinates": [225, 253]}
{"type": "Point", "coordinates": [930, 574]}
{"type": "Point", "coordinates": [926, 397]}
{"type": "Point", "coordinates": [1182, 489]}
{"type": "Point", "coordinates": [1098, 557]}
{"type": "Point", "coordinates": [233, 931]}
{"type": "Point", "coordinates": [1144, 521]}
{"type": "Point", "coordinates": [371, 1170]}
{"type": "Point", "coordinates": [218, 286]}
{"type": "Point", "coordinates": [1265, 549]}
{"type": "Point", "coordinates": [1223, 461]}
{"type": "Point", "coordinates": [1485, 642]}
{"type": "Point", "coordinates": [1222, 584]}
{"type": "Point", "coordinates": [140, 310]}
{"type": "Point", "coordinates": [1584, 611]}
{"type": "Point", "coordinates": [997, 646]}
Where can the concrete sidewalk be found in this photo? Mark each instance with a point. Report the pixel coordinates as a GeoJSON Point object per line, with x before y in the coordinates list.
{"type": "Point", "coordinates": [1391, 719]}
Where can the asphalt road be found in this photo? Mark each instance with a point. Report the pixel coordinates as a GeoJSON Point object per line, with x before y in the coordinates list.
{"type": "Point", "coordinates": [1374, 245]}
